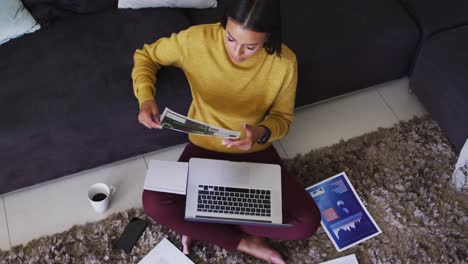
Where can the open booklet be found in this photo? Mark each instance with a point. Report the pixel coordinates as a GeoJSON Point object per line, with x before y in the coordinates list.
{"type": "Point", "coordinates": [178, 122]}
{"type": "Point", "coordinates": [344, 217]}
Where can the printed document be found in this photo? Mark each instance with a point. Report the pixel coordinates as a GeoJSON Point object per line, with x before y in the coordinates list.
{"type": "Point", "coordinates": [344, 217]}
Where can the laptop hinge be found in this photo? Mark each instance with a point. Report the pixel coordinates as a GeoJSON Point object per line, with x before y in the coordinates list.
{"type": "Point", "coordinates": [233, 219]}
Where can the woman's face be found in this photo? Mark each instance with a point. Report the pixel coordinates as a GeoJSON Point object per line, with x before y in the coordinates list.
{"type": "Point", "coordinates": [242, 43]}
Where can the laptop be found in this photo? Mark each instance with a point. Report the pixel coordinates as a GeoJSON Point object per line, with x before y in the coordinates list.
{"type": "Point", "coordinates": [222, 191]}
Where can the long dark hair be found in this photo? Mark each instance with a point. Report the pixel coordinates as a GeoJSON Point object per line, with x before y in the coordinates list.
{"type": "Point", "coordinates": [260, 16]}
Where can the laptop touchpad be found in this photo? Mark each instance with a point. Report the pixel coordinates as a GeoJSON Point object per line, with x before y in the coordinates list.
{"type": "Point", "coordinates": [240, 175]}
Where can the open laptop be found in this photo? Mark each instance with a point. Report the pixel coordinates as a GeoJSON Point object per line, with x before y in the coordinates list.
{"type": "Point", "coordinates": [222, 191]}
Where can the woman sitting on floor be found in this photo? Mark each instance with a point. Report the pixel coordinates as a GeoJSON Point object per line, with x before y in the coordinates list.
{"type": "Point", "coordinates": [242, 78]}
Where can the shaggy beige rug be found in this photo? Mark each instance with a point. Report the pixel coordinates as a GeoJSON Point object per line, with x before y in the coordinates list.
{"type": "Point", "coordinates": [402, 174]}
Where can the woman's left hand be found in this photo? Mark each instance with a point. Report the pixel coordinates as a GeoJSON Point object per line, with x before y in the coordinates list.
{"type": "Point", "coordinates": [252, 135]}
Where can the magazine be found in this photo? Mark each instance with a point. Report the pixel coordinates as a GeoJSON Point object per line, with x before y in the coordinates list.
{"type": "Point", "coordinates": [178, 122]}
{"type": "Point", "coordinates": [344, 217]}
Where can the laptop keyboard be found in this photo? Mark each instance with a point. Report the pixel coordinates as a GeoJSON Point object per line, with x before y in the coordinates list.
{"type": "Point", "coordinates": [230, 200]}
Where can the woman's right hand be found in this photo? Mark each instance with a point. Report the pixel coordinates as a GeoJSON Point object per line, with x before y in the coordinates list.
{"type": "Point", "coordinates": [148, 115]}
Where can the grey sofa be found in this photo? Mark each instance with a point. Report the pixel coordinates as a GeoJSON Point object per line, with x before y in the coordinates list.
{"type": "Point", "coordinates": [439, 77]}
{"type": "Point", "coordinates": [66, 95]}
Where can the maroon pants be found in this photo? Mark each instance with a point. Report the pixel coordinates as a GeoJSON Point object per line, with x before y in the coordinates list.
{"type": "Point", "coordinates": [299, 209]}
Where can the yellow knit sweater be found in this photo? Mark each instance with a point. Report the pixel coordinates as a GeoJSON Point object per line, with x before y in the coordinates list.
{"type": "Point", "coordinates": [258, 91]}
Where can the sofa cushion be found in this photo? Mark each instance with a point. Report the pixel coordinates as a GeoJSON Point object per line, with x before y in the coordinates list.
{"type": "Point", "coordinates": [15, 20]}
{"type": "Point", "coordinates": [48, 11]}
{"type": "Point", "coordinates": [164, 3]}
{"type": "Point", "coordinates": [436, 15]}
{"type": "Point", "coordinates": [440, 81]}
{"type": "Point", "coordinates": [343, 46]}
{"type": "Point", "coordinates": [66, 97]}
{"type": "Point", "coordinates": [207, 15]}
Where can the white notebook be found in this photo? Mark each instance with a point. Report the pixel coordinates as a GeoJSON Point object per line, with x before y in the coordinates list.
{"type": "Point", "coordinates": [165, 253]}
{"type": "Point", "coordinates": [166, 176]}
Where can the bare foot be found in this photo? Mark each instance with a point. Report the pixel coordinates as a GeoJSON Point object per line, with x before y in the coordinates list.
{"type": "Point", "coordinates": [257, 247]}
{"type": "Point", "coordinates": [186, 241]}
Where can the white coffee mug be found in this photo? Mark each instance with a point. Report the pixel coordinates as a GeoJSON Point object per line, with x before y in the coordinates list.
{"type": "Point", "coordinates": [99, 195]}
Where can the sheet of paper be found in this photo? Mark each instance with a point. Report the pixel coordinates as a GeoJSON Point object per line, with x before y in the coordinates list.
{"type": "Point", "coordinates": [178, 122]}
{"type": "Point", "coordinates": [463, 158]}
{"type": "Point", "coordinates": [460, 174]}
{"type": "Point", "coordinates": [166, 176]}
{"type": "Point", "coordinates": [350, 259]}
{"type": "Point", "coordinates": [345, 219]}
{"type": "Point", "coordinates": [165, 253]}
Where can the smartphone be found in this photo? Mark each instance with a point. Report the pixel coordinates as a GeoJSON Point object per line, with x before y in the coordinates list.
{"type": "Point", "coordinates": [131, 234]}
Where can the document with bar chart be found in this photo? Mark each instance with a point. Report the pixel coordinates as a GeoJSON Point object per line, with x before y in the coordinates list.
{"type": "Point", "coordinates": [344, 217]}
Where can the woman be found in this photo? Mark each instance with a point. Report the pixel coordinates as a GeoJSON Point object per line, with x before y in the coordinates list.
{"type": "Point", "coordinates": [242, 78]}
